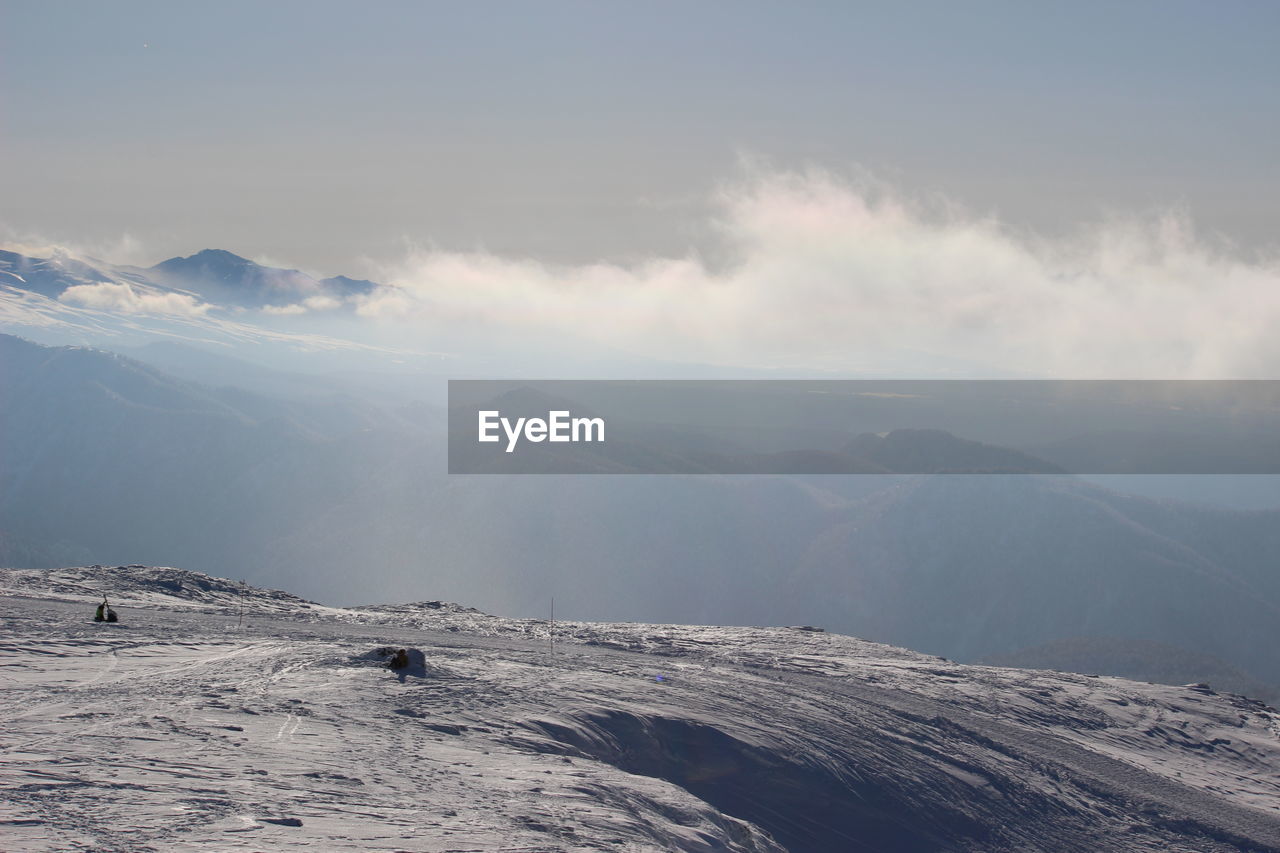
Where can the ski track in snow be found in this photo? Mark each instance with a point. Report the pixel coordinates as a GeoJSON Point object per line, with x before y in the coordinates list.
{"type": "Point", "coordinates": [178, 731]}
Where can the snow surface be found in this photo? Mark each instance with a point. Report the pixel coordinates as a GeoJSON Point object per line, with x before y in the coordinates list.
{"type": "Point", "coordinates": [178, 729]}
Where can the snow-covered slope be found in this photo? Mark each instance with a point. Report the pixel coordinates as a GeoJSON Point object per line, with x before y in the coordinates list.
{"type": "Point", "coordinates": [178, 730]}
{"type": "Point", "coordinates": [151, 586]}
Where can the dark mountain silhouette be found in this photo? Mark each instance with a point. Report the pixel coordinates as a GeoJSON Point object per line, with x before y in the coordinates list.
{"type": "Point", "coordinates": [970, 567]}
{"type": "Point", "coordinates": [218, 368]}
{"type": "Point", "coordinates": [103, 454]}
{"type": "Point", "coordinates": [901, 451]}
{"type": "Point", "coordinates": [1156, 452]}
{"type": "Point", "coordinates": [934, 451]}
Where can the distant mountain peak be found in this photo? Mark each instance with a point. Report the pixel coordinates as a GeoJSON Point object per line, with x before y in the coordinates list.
{"type": "Point", "coordinates": [226, 277]}
{"type": "Point", "coordinates": [208, 263]}
{"type": "Point", "coordinates": [221, 256]}
{"type": "Point", "coordinates": [208, 280]}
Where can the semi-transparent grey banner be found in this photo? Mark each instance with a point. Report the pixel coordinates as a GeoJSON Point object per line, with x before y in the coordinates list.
{"type": "Point", "coordinates": [864, 427]}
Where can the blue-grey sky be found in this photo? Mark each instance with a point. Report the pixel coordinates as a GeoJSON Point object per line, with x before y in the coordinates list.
{"type": "Point", "coordinates": [320, 134]}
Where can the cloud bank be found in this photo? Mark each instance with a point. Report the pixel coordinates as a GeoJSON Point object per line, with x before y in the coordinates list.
{"type": "Point", "coordinates": [833, 274]}
{"type": "Point", "coordinates": [320, 302]}
{"type": "Point", "coordinates": [124, 299]}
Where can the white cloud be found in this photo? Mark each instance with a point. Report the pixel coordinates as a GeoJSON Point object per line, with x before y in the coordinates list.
{"type": "Point", "coordinates": [320, 302]}
{"type": "Point", "coordinates": [122, 298]}
{"type": "Point", "coordinates": [284, 310]}
{"type": "Point", "coordinates": [833, 274]}
{"type": "Point", "coordinates": [126, 249]}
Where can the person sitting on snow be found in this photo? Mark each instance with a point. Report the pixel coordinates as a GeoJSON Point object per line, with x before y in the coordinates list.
{"type": "Point", "coordinates": [104, 613]}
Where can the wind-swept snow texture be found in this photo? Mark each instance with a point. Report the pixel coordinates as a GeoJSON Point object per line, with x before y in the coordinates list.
{"type": "Point", "coordinates": [177, 730]}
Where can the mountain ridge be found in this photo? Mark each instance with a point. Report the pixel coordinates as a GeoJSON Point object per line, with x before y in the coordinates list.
{"type": "Point", "coordinates": [219, 275]}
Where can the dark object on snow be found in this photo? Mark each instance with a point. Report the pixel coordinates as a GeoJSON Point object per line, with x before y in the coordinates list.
{"type": "Point", "coordinates": [282, 821]}
{"type": "Point", "coordinates": [403, 662]}
{"type": "Point", "coordinates": [104, 613]}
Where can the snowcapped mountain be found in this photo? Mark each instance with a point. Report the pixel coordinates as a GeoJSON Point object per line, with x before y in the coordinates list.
{"type": "Point", "coordinates": [213, 299]}
{"type": "Point", "coordinates": [230, 280]}
{"type": "Point", "coordinates": [181, 729]}
{"type": "Point", "coordinates": [208, 280]}
{"type": "Point", "coordinates": [47, 276]}
{"type": "Point", "coordinates": [94, 284]}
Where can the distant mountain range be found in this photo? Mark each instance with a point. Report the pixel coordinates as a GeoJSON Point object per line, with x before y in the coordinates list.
{"type": "Point", "coordinates": [106, 459]}
{"type": "Point", "coordinates": [213, 300]}
{"type": "Point", "coordinates": [214, 277]}
{"type": "Point", "coordinates": [225, 279]}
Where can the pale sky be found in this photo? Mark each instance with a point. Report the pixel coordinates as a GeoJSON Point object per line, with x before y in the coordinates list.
{"type": "Point", "coordinates": [320, 135]}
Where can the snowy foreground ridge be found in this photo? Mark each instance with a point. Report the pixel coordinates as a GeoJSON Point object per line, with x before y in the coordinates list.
{"type": "Point", "coordinates": [177, 730]}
